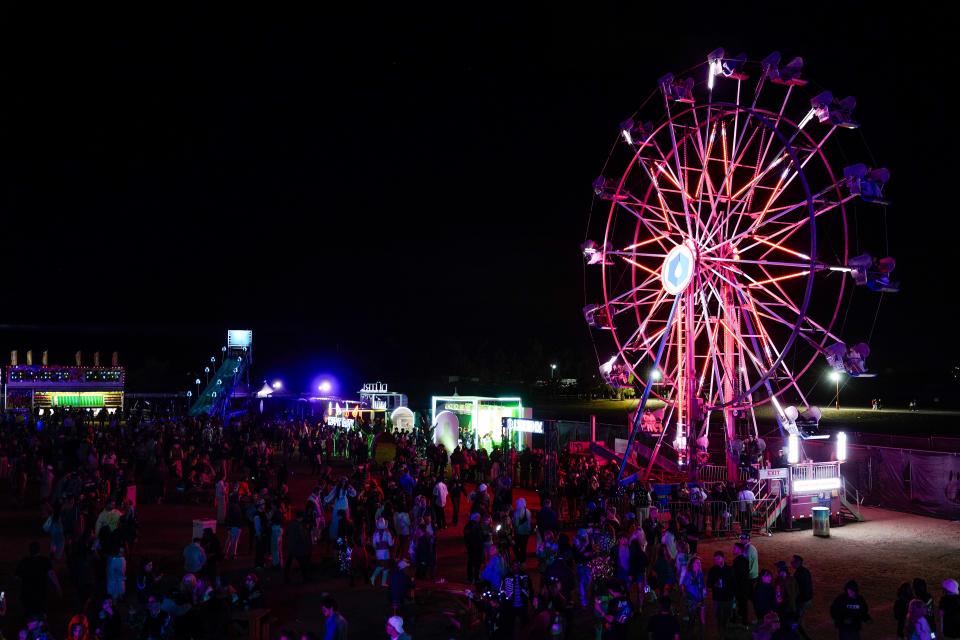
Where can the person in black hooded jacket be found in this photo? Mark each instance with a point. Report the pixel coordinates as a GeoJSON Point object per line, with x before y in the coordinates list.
{"type": "Point", "coordinates": [849, 611]}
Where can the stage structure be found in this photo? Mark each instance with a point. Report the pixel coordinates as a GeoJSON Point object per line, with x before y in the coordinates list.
{"type": "Point", "coordinates": [376, 395]}
{"type": "Point", "coordinates": [480, 415]}
{"type": "Point", "coordinates": [725, 220]}
{"type": "Point", "coordinates": [41, 387]}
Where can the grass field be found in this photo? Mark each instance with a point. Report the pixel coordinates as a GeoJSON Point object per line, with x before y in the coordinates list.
{"type": "Point", "coordinates": [862, 419]}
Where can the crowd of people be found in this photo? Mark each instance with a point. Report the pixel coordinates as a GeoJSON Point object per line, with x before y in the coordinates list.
{"type": "Point", "coordinates": [590, 551]}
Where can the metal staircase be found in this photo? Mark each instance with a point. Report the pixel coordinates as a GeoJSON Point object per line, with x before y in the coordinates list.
{"type": "Point", "coordinates": [850, 501]}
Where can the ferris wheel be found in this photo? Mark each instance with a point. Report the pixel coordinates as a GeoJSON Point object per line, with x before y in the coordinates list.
{"type": "Point", "coordinates": [723, 252]}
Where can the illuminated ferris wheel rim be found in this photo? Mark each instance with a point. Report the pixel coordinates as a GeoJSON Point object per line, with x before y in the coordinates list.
{"type": "Point", "coordinates": [703, 255]}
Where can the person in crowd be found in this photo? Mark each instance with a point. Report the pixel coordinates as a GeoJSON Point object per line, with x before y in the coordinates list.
{"type": "Point", "coordinates": [456, 490]}
{"type": "Point", "coordinates": [400, 587]}
{"type": "Point", "coordinates": [473, 541]}
{"type": "Point", "coordinates": [194, 557]}
{"type": "Point", "coordinates": [34, 572]}
{"type": "Point", "coordinates": [664, 625]}
{"type": "Point", "coordinates": [949, 610]}
{"type": "Point", "coordinates": [665, 571]}
{"type": "Point", "coordinates": [117, 575]}
{"type": "Point", "coordinates": [785, 592]}
{"type": "Point", "coordinates": [440, 496]}
{"type": "Point", "coordinates": [764, 595]}
{"type": "Point", "coordinates": [920, 592]}
{"type": "Point", "coordinates": [849, 611]}
{"type": "Point", "coordinates": [78, 628]}
{"type": "Point", "coordinates": [295, 543]}
{"type": "Point", "coordinates": [382, 541]}
{"type": "Point", "coordinates": [721, 582]}
{"type": "Point", "coordinates": [583, 555]}
{"type": "Point", "coordinates": [516, 593]}
{"type": "Point", "coordinates": [615, 612]}
{"type": "Point", "coordinates": [901, 605]}
{"type": "Point", "coordinates": [804, 591]}
{"type": "Point", "coordinates": [694, 589]}
{"type": "Point", "coordinates": [547, 519]}
{"type": "Point", "coordinates": [522, 526]}
{"type": "Point", "coordinates": [916, 626]}
{"type": "Point", "coordinates": [334, 624]}
{"type": "Point", "coordinates": [395, 629]}
{"type": "Point", "coordinates": [106, 622]}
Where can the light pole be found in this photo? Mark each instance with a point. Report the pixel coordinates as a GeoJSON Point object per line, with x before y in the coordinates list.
{"type": "Point", "coordinates": [553, 370]}
{"type": "Point", "coordinates": [835, 376]}
{"type": "Point", "coordinates": [206, 371]}
{"type": "Point", "coordinates": [197, 382]}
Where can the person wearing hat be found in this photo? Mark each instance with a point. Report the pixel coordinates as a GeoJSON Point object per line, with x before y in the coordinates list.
{"type": "Point", "coordinates": [382, 541]}
{"type": "Point", "coordinates": [849, 611]}
{"type": "Point", "coordinates": [401, 586]}
{"type": "Point", "coordinates": [949, 608]}
{"type": "Point", "coordinates": [395, 629]}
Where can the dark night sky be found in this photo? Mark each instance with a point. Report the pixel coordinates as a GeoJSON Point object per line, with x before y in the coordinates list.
{"type": "Point", "coordinates": [365, 190]}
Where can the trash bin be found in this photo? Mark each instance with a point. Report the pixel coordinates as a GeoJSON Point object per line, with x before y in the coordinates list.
{"type": "Point", "coordinates": [821, 521]}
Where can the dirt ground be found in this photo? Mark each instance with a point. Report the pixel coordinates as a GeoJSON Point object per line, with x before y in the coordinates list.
{"type": "Point", "coordinates": [887, 549]}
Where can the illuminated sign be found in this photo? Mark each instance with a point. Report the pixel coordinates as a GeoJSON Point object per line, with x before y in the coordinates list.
{"type": "Point", "coordinates": [458, 406]}
{"type": "Point", "coordinates": [339, 421]}
{"type": "Point", "coordinates": [523, 425]}
{"type": "Point", "coordinates": [677, 270]}
{"type": "Point", "coordinates": [773, 474]}
{"type": "Point", "coordinates": [820, 484]}
{"type": "Point", "coordinates": [239, 338]}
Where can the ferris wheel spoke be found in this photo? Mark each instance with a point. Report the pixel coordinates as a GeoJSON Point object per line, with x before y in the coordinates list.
{"type": "Point", "coordinates": [724, 370]}
{"type": "Point", "coordinates": [794, 173]}
{"type": "Point", "coordinates": [767, 263]}
{"type": "Point", "coordinates": [728, 169]}
{"type": "Point", "coordinates": [770, 348]}
{"type": "Point", "coordinates": [646, 322]}
{"type": "Point", "coordinates": [793, 227]}
{"type": "Point", "coordinates": [676, 157]}
{"type": "Point", "coordinates": [783, 302]}
{"type": "Point", "coordinates": [734, 238]}
{"type": "Point", "coordinates": [665, 210]}
{"type": "Point", "coordinates": [638, 288]}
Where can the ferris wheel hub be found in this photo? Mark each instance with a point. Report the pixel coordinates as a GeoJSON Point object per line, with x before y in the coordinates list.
{"type": "Point", "coordinates": [678, 268]}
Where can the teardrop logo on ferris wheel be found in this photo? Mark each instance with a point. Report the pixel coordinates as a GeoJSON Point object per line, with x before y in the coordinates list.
{"type": "Point", "coordinates": [677, 269]}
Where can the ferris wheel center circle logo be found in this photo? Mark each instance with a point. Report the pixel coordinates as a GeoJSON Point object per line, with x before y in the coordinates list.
{"type": "Point", "coordinates": [677, 269]}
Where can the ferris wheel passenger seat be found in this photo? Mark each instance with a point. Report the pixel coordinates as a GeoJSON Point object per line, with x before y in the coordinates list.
{"type": "Point", "coordinates": [636, 133]}
{"type": "Point", "coordinates": [788, 75]}
{"type": "Point", "coordinates": [606, 189]}
{"type": "Point", "coordinates": [867, 183]}
{"type": "Point", "coordinates": [836, 112]}
{"type": "Point", "coordinates": [677, 90]}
